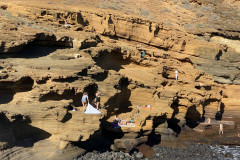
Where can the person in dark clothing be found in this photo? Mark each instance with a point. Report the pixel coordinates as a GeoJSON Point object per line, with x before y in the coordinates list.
{"type": "Point", "coordinates": [98, 99]}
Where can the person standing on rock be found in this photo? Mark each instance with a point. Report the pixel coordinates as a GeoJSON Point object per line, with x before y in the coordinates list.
{"type": "Point", "coordinates": [221, 128]}
{"type": "Point", "coordinates": [209, 120]}
{"type": "Point", "coordinates": [85, 101]}
{"type": "Point", "coordinates": [176, 74]}
{"type": "Point", "coordinates": [98, 99]}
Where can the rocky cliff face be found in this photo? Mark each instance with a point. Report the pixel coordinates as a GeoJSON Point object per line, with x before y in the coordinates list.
{"type": "Point", "coordinates": [45, 67]}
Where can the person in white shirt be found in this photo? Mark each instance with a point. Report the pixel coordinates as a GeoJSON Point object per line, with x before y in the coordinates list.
{"type": "Point", "coordinates": [176, 74]}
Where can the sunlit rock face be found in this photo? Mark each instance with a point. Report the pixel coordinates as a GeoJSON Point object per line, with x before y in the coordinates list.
{"type": "Point", "coordinates": [51, 54]}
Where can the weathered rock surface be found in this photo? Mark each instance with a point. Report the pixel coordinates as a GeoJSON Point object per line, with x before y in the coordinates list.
{"type": "Point", "coordinates": [45, 68]}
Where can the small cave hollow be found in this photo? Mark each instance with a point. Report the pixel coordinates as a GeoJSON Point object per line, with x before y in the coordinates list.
{"type": "Point", "coordinates": [102, 139]}
{"type": "Point", "coordinates": [52, 95]}
{"type": "Point", "coordinates": [173, 124]}
{"type": "Point", "coordinates": [192, 117]}
{"type": "Point", "coordinates": [84, 72]}
{"type": "Point", "coordinates": [207, 88]}
{"type": "Point", "coordinates": [112, 61]}
{"type": "Point", "coordinates": [43, 80]}
{"type": "Point", "coordinates": [6, 94]}
{"type": "Point", "coordinates": [36, 51]}
{"type": "Point", "coordinates": [100, 76]}
{"type": "Point", "coordinates": [153, 138]}
{"type": "Point", "coordinates": [8, 89]}
{"type": "Point", "coordinates": [68, 79]}
{"type": "Point", "coordinates": [24, 84]}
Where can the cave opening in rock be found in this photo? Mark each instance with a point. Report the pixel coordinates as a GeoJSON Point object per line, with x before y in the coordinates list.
{"type": "Point", "coordinates": [6, 94]}
{"type": "Point", "coordinates": [24, 84]}
{"type": "Point", "coordinates": [101, 140]}
{"type": "Point", "coordinates": [68, 79]}
{"type": "Point", "coordinates": [173, 124]}
{"type": "Point", "coordinates": [36, 51]}
{"type": "Point", "coordinates": [84, 72]}
{"type": "Point", "coordinates": [219, 112]}
{"type": "Point", "coordinates": [198, 87]}
{"type": "Point", "coordinates": [53, 95]}
{"type": "Point", "coordinates": [8, 88]}
{"type": "Point", "coordinates": [100, 76]}
{"type": "Point", "coordinates": [207, 88]}
{"type": "Point", "coordinates": [112, 61]}
{"type": "Point", "coordinates": [155, 138]}
{"type": "Point", "coordinates": [43, 80]}
{"type": "Point", "coordinates": [192, 117]}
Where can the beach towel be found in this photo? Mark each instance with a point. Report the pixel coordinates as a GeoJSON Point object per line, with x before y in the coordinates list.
{"type": "Point", "coordinates": [129, 125]}
{"type": "Point", "coordinates": [91, 110]}
{"type": "Point", "coordinates": [145, 107]}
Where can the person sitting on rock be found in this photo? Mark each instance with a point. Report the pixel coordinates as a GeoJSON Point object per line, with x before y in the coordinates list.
{"type": "Point", "coordinates": [120, 122]}
{"type": "Point", "coordinates": [142, 54]}
{"type": "Point", "coordinates": [116, 119]}
{"type": "Point", "coordinates": [67, 25]}
{"type": "Point", "coordinates": [85, 100]}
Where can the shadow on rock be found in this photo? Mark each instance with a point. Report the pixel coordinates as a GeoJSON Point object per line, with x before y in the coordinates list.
{"type": "Point", "coordinates": [119, 103]}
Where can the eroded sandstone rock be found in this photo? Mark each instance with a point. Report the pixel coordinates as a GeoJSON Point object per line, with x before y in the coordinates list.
{"type": "Point", "coordinates": [39, 84]}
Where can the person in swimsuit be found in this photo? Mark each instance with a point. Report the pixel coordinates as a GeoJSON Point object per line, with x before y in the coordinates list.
{"type": "Point", "coordinates": [85, 100]}
{"type": "Point", "coordinates": [221, 129]}
{"type": "Point", "coordinates": [98, 99]}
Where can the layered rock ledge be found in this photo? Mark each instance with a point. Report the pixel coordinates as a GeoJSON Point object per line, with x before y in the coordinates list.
{"type": "Point", "coordinates": [45, 67]}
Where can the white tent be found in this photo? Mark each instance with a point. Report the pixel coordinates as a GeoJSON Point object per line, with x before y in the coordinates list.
{"type": "Point", "coordinates": [91, 110]}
